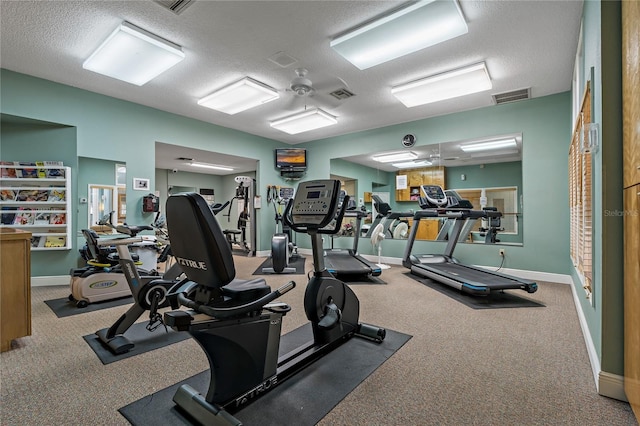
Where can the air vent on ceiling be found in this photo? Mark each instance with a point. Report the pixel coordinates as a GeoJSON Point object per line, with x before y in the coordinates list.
{"type": "Point", "coordinates": [176, 6]}
{"type": "Point", "coordinates": [513, 96]}
{"type": "Point", "coordinates": [184, 159]}
{"type": "Point", "coordinates": [282, 59]}
{"type": "Point", "coordinates": [342, 94]}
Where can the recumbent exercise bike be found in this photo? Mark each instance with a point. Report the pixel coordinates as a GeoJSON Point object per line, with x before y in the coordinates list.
{"type": "Point", "coordinates": [236, 322]}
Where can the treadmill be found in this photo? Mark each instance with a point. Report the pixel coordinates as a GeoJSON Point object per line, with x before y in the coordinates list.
{"type": "Point", "coordinates": [445, 268]}
{"type": "Point", "coordinates": [347, 262]}
{"type": "Point", "coordinates": [386, 217]}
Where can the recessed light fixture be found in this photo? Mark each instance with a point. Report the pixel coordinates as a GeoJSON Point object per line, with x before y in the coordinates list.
{"type": "Point", "coordinates": [395, 156]}
{"type": "Point", "coordinates": [490, 145]}
{"type": "Point", "coordinates": [410, 164]}
{"type": "Point", "coordinates": [211, 166]}
{"type": "Point", "coordinates": [240, 96]}
{"type": "Point", "coordinates": [448, 85]}
{"type": "Point", "coordinates": [133, 55]}
{"type": "Point", "coordinates": [310, 119]}
{"type": "Point", "coordinates": [407, 30]}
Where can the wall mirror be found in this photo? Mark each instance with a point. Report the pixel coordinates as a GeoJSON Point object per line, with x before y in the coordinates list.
{"type": "Point", "coordinates": [102, 201]}
{"type": "Point", "coordinates": [486, 172]}
{"type": "Point", "coordinates": [121, 183]}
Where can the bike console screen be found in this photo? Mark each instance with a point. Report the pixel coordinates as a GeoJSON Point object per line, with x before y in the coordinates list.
{"type": "Point", "coordinates": [315, 203]}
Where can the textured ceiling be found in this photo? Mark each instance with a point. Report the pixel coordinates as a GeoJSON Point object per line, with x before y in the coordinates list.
{"type": "Point", "coordinates": [524, 44]}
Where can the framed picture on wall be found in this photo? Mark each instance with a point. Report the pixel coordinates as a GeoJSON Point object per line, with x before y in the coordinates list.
{"type": "Point", "coordinates": [140, 184]}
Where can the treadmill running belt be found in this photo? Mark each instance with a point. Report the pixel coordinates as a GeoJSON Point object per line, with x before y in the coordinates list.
{"type": "Point", "coordinates": [471, 280]}
{"type": "Point", "coordinates": [465, 273]}
{"type": "Point", "coordinates": [343, 263]}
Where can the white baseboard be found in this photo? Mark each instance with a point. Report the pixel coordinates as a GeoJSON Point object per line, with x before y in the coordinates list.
{"type": "Point", "coordinates": [533, 275]}
{"type": "Point", "coordinates": [607, 384]}
{"type": "Point", "coordinates": [612, 386]}
{"type": "Point", "coordinates": [50, 280]}
{"type": "Point", "coordinates": [591, 348]}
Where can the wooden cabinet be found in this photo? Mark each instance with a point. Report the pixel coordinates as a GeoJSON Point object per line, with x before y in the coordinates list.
{"type": "Point", "coordinates": [631, 92]}
{"type": "Point", "coordinates": [631, 179]}
{"type": "Point", "coordinates": [632, 296]}
{"type": "Point", "coordinates": [428, 229]}
{"type": "Point", "coordinates": [15, 285]}
{"type": "Point", "coordinates": [417, 177]}
{"type": "Point", "coordinates": [38, 202]}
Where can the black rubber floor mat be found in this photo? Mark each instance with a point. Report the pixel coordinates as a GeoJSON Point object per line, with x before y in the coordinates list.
{"type": "Point", "coordinates": [303, 399]}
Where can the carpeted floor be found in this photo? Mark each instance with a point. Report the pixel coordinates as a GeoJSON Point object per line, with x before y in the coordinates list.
{"type": "Point", "coordinates": [463, 366]}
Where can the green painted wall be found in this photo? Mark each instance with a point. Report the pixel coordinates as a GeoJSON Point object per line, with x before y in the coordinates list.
{"type": "Point", "coordinates": [368, 179]}
{"type": "Point", "coordinates": [545, 126]}
{"type": "Point", "coordinates": [601, 52]}
{"type": "Point", "coordinates": [109, 128]}
{"type": "Point", "coordinates": [35, 140]}
{"type": "Point", "coordinates": [166, 179]}
{"type": "Point", "coordinates": [485, 176]}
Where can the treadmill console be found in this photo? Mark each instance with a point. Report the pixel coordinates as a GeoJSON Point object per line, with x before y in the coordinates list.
{"type": "Point", "coordinates": [315, 203]}
{"type": "Point", "coordinates": [432, 196]}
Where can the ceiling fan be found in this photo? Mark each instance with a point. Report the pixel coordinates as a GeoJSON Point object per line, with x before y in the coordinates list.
{"type": "Point", "coordinates": [330, 93]}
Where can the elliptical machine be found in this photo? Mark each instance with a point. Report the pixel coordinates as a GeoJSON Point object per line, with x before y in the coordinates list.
{"type": "Point", "coordinates": [236, 322]}
{"type": "Point", "coordinates": [102, 279]}
{"type": "Point", "coordinates": [283, 250]}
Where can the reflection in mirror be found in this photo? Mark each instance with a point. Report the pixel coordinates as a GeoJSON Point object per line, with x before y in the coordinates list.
{"type": "Point", "coordinates": [121, 183]}
{"type": "Point", "coordinates": [487, 172]}
{"type": "Point", "coordinates": [348, 185]}
{"type": "Point", "coordinates": [175, 189]}
{"type": "Point", "coordinates": [102, 201]}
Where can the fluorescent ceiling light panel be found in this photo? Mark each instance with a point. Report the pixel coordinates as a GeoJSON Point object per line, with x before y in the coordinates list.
{"type": "Point", "coordinates": [490, 145]}
{"type": "Point", "coordinates": [133, 55]}
{"type": "Point", "coordinates": [310, 119]}
{"type": "Point", "coordinates": [409, 164]}
{"type": "Point", "coordinates": [420, 25]}
{"type": "Point", "coordinates": [395, 156]}
{"type": "Point", "coordinates": [239, 96]}
{"type": "Point", "coordinates": [211, 166]}
{"type": "Point", "coordinates": [448, 85]}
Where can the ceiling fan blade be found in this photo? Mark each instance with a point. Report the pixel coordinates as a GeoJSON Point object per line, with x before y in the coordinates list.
{"type": "Point", "coordinates": [294, 102]}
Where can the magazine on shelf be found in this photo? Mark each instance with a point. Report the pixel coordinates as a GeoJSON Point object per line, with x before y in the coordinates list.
{"type": "Point", "coordinates": [32, 195]}
{"type": "Point", "coordinates": [42, 219]}
{"type": "Point", "coordinates": [28, 170]}
{"type": "Point", "coordinates": [55, 173]}
{"type": "Point", "coordinates": [34, 170]}
{"type": "Point", "coordinates": [7, 195]}
{"type": "Point", "coordinates": [23, 217]}
{"type": "Point", "coordinates": [51, 241]}
{"type": "Point", "coordinates": [57, 219]}
{"type": "Point", "coordinates": [37, 241]}
{"type": "Point", "coordinates": [8, 215]}
{"type": "Point", "coordinates": [42, 173]}
{"type": "Point", "coordinates": [7, 172]}
{"type": "Point", "coordinates": [56, 195]}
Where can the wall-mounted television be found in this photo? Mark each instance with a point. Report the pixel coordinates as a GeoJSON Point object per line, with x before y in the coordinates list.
{"type": "Point", "coordinates": [291, 158]}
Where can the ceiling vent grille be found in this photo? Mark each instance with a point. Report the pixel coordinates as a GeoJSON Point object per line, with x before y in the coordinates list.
{"type": "Point", "coordinates": [282, 59]}
{"type": "Point", "coordinates": [342, 94]}
{"type": "Point", "coordinates": [176, 6]}
{"type": "Point", "coordinates": [513, 96]}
